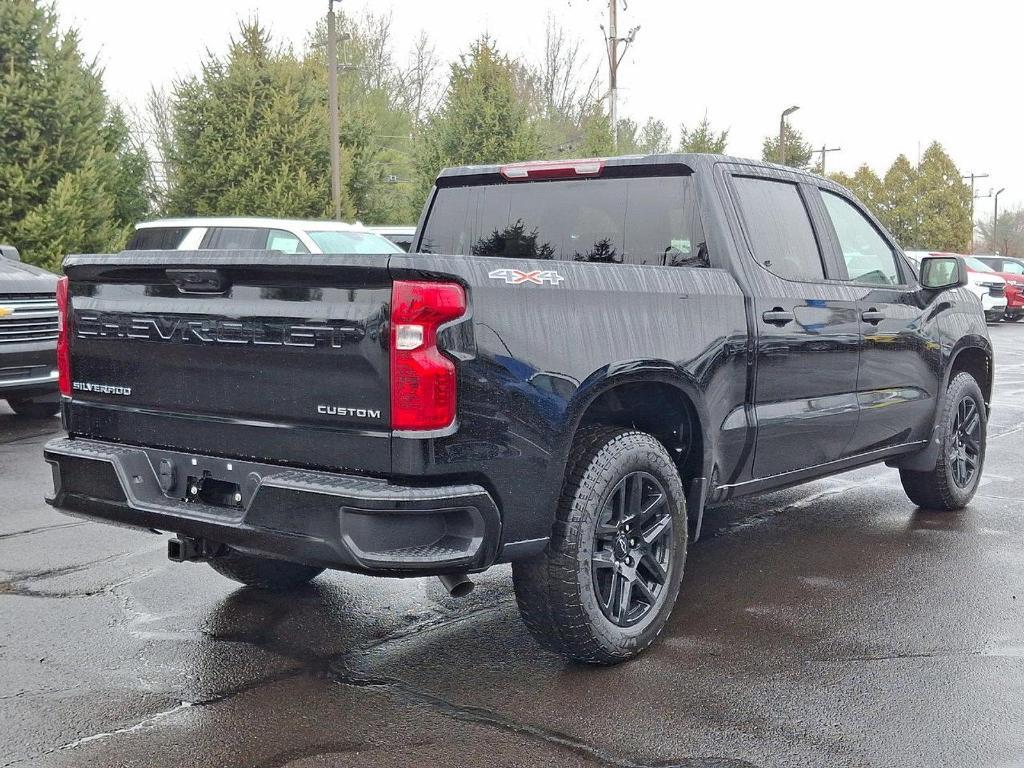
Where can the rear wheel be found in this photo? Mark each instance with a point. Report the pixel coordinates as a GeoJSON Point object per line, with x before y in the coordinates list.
{"type": "Point", "coordinates": [34, 409]}
{"type": "Point", "coordinates": [263, 572]}
{"type": "Point", "coordinates": [951, 484]}
{"type": "Point", "coordinates": [1013, 318]}
{"type": "Point", "coordinates": [603, 589]}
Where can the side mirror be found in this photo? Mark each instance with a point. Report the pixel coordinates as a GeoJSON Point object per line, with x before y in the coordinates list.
{"type": "Point", "coordinates": [10, 252]}
{"type": "Point", "coordinates": [941, 272]}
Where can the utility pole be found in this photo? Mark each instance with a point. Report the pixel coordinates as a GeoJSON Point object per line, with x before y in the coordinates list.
{"type": "Point", "coordinates": [782, 133]}
{"type": "Point", "coordinates": [995, 220]}
{"type": "Point", "coordinates": [825, 149]}
{"type": "Point", "coordinates": [332, 106]}
{"type": "Point", "coordinates": [612, 41]}
{"type": "Point", "coordinates": [973, 177]}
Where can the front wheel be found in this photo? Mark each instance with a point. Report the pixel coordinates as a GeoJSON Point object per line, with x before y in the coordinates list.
{"type": "Point", "coordinates": [263, 572]}
{"type": "Point", "coordinates": [603, 589]}
{"type": "Point", "coordinates": [953, 481]}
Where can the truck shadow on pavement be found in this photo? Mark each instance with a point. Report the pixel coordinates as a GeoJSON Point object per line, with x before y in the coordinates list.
{"type": "Point", "coordinates": [435, 661]}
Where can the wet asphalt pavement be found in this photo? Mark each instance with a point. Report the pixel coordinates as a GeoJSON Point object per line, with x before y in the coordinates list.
{"type": "Point", "coordinates": [828, 625]}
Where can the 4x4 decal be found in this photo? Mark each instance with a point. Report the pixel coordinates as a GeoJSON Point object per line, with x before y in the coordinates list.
{"type": "Point", "coordinates": [515, 277]}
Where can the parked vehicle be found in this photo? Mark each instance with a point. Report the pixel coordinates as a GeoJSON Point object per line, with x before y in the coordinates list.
{"type": "Point", "coordinates": [28, 336]}
{"type": "Point", "coordinates": [1012, 271]}
{"type": "Point", "coordinates": [285, 235]}
{"type": "Point", "coordinates": [580, 357]}
{"type": "Point", "coordinates": [989, 287]}
{"type": "Point", "coordinates": [400, 236]}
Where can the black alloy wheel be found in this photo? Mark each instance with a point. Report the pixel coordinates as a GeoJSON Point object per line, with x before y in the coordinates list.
{"type": "Point", "coordinates": [632, 555]}
{"type": "Point", "coordinates": [965, 443]}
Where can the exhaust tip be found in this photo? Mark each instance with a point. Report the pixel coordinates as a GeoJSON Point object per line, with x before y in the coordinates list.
{"type": "Point", "coordinates": [458, 585]}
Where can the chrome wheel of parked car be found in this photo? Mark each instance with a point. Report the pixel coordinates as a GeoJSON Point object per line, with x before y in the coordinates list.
{"type": "Point", "coordinates": [632, 549]}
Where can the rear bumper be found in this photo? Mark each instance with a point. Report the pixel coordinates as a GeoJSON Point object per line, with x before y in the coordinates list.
{"type": "Point", "coordinates": [320, 518]}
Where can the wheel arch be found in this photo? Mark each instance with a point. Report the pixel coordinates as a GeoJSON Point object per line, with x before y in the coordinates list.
{"type": "Point", "coordinates": [976, 359]}
{"type": "Point", "coordinates": [654, 396]}
{"type": "Point", "coordinates": [973, 354]}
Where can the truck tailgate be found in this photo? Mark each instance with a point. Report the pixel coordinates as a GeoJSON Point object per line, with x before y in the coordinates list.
{"type": "Point", "coordinates": [247, 354]}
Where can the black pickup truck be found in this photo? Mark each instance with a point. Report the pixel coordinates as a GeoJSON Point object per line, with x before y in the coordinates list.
{"type": "Point", "coordinates": [577, 360]}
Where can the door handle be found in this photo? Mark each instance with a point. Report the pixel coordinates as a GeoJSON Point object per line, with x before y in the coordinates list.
{"type": "Point", "coordinates": [872, 316]}
{"type": "Point", "coordinates": [777, 316]}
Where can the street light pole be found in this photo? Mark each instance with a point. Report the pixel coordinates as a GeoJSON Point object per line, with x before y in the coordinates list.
{"type": "Point", "coordinates": [782, 133]}
{"type": "Point", "coordinates": [332, 106]}
{"type": "Point", "coordinates": [995, 220]}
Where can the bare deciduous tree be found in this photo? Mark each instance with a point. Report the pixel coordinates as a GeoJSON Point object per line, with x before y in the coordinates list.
{"type": "Point", "coordinates": [418, 83]}
{"type": "Point", "coordinates": [567, 92]}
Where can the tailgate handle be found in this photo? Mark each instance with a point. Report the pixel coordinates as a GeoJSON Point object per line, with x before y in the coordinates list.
{"type": "Point", "coordinates": [198, 280]}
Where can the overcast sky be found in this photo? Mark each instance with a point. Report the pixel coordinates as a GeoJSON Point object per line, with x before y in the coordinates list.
{"type": "Point", "coordinates": [874, 77]}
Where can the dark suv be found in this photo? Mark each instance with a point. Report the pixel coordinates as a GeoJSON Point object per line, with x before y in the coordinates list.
{"type": "Point", "coordinates": [28, 336]}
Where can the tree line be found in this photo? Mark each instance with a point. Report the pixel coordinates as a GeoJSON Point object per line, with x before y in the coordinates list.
{"type": "Point", "coordinates": [246, 135]}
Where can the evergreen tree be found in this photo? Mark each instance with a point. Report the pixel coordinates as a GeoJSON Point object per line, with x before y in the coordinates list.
{"type": "Point", "coordinates": [703, 138]}
{"type": "Point", "coordinates": [798, 151]}
{"type": "Point", "coordinates": [481, 120]}
{"type": "Point", "coordinates": [655, 137]}
{"type": "Point", "coordinates": [868, 188]}
{"type": "Point", "coordinates": [943, 204]}
{"type": "Point", "coordinates": [597, 135]}
{"type": "Point", "coordinates": [900, 202]}
{"type": "Point", "coordinates": [249, 135]}
{"type": "Point", "coordinates": [71, 178]}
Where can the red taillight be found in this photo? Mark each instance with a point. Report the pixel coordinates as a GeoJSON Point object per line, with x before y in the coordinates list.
{"type": "Point", "coordinates": [422, 379]}
{"type": "Point", "coordinates": [63, 332]}
{"type": "Point", "coordinates": [553, 169]}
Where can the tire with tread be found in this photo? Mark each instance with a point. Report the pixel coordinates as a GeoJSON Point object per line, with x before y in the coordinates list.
{"type": "Point", "coordinates": [935, 489]}
{"type": "Point", "coordinates": [33, 409]}
{"type": "Point", "coordinates": [263, 572]}
{"type": "Point", "coordinates": [555, 591]}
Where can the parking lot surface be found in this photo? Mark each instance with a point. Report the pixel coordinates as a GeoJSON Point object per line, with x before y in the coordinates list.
{"type": "Point", "coordinates": [828, 625]}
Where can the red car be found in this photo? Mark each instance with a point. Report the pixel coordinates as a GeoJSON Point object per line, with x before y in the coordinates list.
{"type": "Point", "coordinates": [1012, 271]}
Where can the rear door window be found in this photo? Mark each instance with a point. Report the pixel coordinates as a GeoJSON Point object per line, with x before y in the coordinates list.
{"type": "Point", "coordinates": [779, 228]}
{"type": "Point", "coordinates": [235, 238]}
{"type": "Point", "coordinates": [648, 220]}
{"type": "Point", "coordinates": [284, 241]}
{"type": "Point", "coordinates": [157, 238]}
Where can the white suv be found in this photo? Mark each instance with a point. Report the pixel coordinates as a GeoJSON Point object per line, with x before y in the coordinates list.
{"type": "Point", "coordinates": [981, 280]}
{"type": "Point", "coordinates": [285, 235]}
